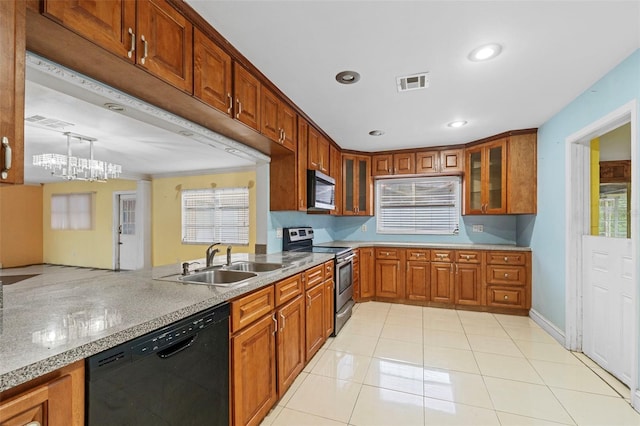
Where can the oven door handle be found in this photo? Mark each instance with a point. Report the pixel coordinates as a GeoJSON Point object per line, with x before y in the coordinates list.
{"type": "Point", "coordinates": [346, 259]}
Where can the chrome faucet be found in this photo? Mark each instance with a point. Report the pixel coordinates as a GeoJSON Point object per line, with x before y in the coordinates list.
{"type": "Point", "coordinates": [229, 255]}
{"type": "Point", "coordinates": [211, 252]}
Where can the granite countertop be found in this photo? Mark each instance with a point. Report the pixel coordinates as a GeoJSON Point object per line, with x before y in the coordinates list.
{"type": "Point", "coordinates": [450, 246]}
{"type": "Point", "coordinates": [47, 323]}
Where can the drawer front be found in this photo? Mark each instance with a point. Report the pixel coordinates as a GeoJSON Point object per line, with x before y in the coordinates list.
{"type": "Point", "coordinates": [418, 254]}
{"type": "Point", "coordinates": [507, 297]}
{"type": "Point", "coordinates": [468, 256]}
{"type": "Point", "coordinates": [514, 275]}
{"type": "Point", "coordinates": [506, 258]}
{"type": "Point", "coordinates": [288, 288]}
{"type": "Point", "coordinates": [387, 253]}
{"type": "Point", "coordinates": [328, 270]}
{"type": "Point", "coordinates": [249, 308]}
{"type": "Point", "coordinates": [442, 255]}
{"type": "Point", "coordinates": [313, 276]}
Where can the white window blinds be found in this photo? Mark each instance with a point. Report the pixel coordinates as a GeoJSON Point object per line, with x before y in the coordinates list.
{"type": "Point", "coordinates": [423, 205]}
{"type": "Point", "coordinates": [71, 211]}
{"type": "Point", "coordinates": [215, 215]}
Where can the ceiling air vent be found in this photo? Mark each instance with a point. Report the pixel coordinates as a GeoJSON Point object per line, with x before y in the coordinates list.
{"type": "Point", "coordinates": [413, 82]}
{"type": "Point", "coordinates": [51, 123]}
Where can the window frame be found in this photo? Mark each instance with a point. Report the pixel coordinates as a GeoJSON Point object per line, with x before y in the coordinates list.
{"type": "Point", "coordinates": [74, 216]}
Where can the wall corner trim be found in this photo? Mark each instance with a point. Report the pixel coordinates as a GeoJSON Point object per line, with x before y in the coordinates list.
{"type": "Point", "coordinates": [547, 326]}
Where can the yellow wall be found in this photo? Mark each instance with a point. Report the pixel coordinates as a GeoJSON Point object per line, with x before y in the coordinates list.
{"type": "Point", "coordinates": [89, 248]}
{"type": "Point", "coordinates": [20, 225]}
{"type": "Point", "coordinates": [595, 186]}
{"type": "Point", "coordinates": [166, 214]}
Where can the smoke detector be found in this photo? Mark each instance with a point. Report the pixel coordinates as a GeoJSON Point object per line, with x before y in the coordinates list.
{"type": "Point", "coordinates": [413, 82]}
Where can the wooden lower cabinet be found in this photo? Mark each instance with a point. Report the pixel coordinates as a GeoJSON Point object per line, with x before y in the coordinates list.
{"type": "Point", "coordinates": [56, 399]}
{"type": "Point", "coordinates": [315, 332]}
{"type": "Point", "coordinates": [418, 280]}
{"type": "Point", "coordinates": [389, 272]}
{"type": "Point", "coordinates": [329, 310]}
{"type": "Point", "coordinates": [253, 356]}
{"type": "Point", "coordinates": [366, 280]}
{"type": "Point", "coordinates": [468, 288]}
{"type": "Point", "coordinates": [442, 282]}
{"type": "Point", "coordinates": [290, 342]}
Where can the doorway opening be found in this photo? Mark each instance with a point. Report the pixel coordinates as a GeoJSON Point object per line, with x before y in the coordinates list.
{"type": "Point", "coordinates": [125, 233]}
{"type": "Point", "coordinates": [602, 270]}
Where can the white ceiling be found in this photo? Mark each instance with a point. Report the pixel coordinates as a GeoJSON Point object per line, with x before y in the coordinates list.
{"type": "Point", "coordinates": [552, 52]}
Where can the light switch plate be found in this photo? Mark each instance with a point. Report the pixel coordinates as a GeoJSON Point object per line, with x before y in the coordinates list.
{"type": "Point", "coordinates": [364, 228]}
{"type": "Point", "coordinates": [478, 228]}
{"type": "Point", "coordinates": [278, 232]}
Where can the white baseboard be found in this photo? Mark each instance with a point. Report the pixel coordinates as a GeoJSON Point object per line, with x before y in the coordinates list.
{"type": "Point", "coordinates": [547, 326]}
{"type": "Point", "coordinates": [635, 403]}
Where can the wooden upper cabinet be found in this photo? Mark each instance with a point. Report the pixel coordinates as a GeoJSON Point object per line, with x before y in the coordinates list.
{"type": "Point", "coordinates": [12, 40]}
{"type": "Point", "coordinates": [247, 97]}
{"type": "Point", "coordinates": [313, 140]}
{"type": "Point", "coordinates": [336, 173]}
{"type": "Point", "coordinates": [449, 161]}
{"type": "Point", "coordinates": [357, 187]}
{"type": "Point", "coordinates": [301, 164]}
{"type": "Point", "coordinates": [212, 76]}
{"type": "Point", "coordinates": [278, 120]}
{"type": "Point", "coordinates": [382, 164]}
{"type": "Point", "coordinates": [324, 154]}
{"type": "Point", "coordinates": [404, 164]}
{"type": "Point", "coordinates": [165, 43]}
{"type": "Point", "coordinates": [111, 24]}
{"type": "Point", "coordinates": [486, 186]}
{"type": "Point", "coordinates": [288, 121]}
{"type": "Point", "coordinates": [522, 174]}
{"type": "Point", "coordinates": [427, 162]}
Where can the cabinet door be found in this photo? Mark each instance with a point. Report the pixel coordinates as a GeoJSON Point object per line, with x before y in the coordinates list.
{"type": "Point", "coordinates": [302, 160]}
{"type": "Point", "coordinates": [468, 284]}
{"type": "Point", "coordinates": [474, 202]}
{"type": "Point", "coordinates": [382, 164]}
{"type": "Point", "coordinates": [324, 153]}
{"type": "Point", "coordinates": [108, 23]}
{"type": "Point", "coordinates": [496, 178]}
{"type": "Point", "coordinates": [363, 185]}
{"type": "Point", "coordinates": [451, 161]}
{"type": "Point", "coordinates": [165, 43]}
{"type": "Point", "coordinates": [442, 280]}
{"type": "Point", "coordinates": [315, 320]}
{"type": "Point", "coordinates": [329, 310]}
{"type": "Point", "coordinates": [349, 185]}
{"type": "Point", "coordinates": [253, 352]}
{"type": "Point", "coordinates": [427, 162]}
{"type": "Point", "coordinates": [288, 122]}
{"type": "Point", "coordinates": [389, 279]}
{"type": "Point", "coordinates": [313, 141]}
{"type": "Point", "coordinates": [336, 173]}
{"type": "Point", "coordinates": [12, 40]}
{"type": "Point", "coordinates": [418, 280]}
{"type": "Point", "coordinates": [291, 347]}
{"type": "Point", "coordinates": [211, 73]}
{"type": "Point", "coordinates": [269, 115]}
{"type": "Point", "coordinates": [247, 94]}
{"type": "Point", "coordinates": [404, 164]}
{"type": "Point", "coordinates": [367, 273]}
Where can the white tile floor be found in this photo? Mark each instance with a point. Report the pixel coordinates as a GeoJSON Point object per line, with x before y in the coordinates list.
{"type": "Point", "coordinates": [401, 365]}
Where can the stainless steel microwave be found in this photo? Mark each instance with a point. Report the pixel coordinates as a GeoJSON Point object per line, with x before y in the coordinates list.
{"type": "Point", "coordinates": [321, 191]}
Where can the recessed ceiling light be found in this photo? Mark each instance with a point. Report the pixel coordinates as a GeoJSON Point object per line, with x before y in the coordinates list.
{"type": "Point", "coordinates": [114, 107]}
{"type": "Point", "coordinates": [457, 123]}
{"type": "Point", "coordinates": [347, 77]}
{"type": "Point", "coordinates": [486, 52]}
{"type": "Point", "coordinates": [376, 133]}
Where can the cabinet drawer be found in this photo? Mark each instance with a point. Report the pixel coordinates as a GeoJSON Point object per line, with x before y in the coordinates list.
{"type": "Point", "coordinates": [249, 308]}
{"type": "Point", "coordinates": [442, 255]}
{"type": "Point", "coordinates": [515, 275]}
{"type": "Point", "coordinates": [288, 288]}
{"type": "Point", "coordinates": [418, 254]}
{"type": "Point", "coordinates": [506, 258]}
{"type": "Point", "coordinates": [506, 296]}
{"type": "Point", "coordinates": [387, 253]}
{"type": "Point", "coordinates": [328, 270]}
{"type": "Point", "coordinates": [314, 276]}
{"type": "Point", "coordinates": [466, 256]}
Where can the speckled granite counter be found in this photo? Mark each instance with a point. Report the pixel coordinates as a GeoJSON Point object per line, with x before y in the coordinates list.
{"type": "Point", "coordinates": [47, 325]}
{"type": "Point", "coordinates": [449, 246]}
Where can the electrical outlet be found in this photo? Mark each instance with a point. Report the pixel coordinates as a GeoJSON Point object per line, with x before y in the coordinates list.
{"type": "Point", "coordinates": [478, 228]}
{"type": "Point", "coordinates": [364, 228]}
{"type": "Point", "coordinates": [278, 232]}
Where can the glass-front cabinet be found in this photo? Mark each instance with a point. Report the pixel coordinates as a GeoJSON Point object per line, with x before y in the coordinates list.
{"type": "Point", "coordinates": [357, 186]}
{"type": "Point", "coordinates": [486, 189]}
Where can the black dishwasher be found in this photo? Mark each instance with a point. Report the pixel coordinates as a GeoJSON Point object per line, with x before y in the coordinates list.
{"type": "Point", "coordinates": [178, 375]}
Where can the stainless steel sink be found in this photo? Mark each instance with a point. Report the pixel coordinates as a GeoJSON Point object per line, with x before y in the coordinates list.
{"type": "Point", "coordinates": [217, 277]}
{"type": "Point", "coordinates": [254, 266]}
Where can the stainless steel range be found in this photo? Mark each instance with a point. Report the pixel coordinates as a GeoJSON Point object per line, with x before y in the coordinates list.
{"type": "Point", "coordinates": [301, 239]}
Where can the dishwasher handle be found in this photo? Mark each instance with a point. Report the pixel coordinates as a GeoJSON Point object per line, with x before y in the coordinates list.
{"type": "Point", "coordinates": [178, 347]}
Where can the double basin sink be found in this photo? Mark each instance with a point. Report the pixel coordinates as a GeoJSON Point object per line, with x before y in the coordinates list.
{"type": "Point", "coordinates": [229, 275]}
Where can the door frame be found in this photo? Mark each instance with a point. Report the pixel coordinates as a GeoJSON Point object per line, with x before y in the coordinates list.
{"type": "Point", "coordinates": [578, 220]}
{"type": "Point", "coordinates": [114, 227]}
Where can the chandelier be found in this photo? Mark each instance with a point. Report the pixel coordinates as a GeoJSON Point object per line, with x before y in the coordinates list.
{"type": "Point", "coordinates": [77, 168]}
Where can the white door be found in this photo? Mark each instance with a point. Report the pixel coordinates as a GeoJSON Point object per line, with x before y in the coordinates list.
{"type": "Point", "coordinates": [608, 305]}
{"type": "Point", "coordinates": [127, 237]}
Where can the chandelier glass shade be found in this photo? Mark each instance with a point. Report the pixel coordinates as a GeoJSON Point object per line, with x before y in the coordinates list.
{"type": "Point", "coordinates": [78, 168]}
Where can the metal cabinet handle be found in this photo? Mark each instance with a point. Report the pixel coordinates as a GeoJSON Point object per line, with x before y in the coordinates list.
{"type": "Point", "coordinates": [506, 275]}
{"type": "Point", "coordinates": [506, 259]}
{"type": "Point", "coordinates": [282, 316]}
{"type": "Point", "coordinates": [34, 423]}
{"type": "Point", "coordinates": [451, 267]}
{"type": "Point", "coordinates": [6, 166]}
{"type": "Point", "coordinates": [467, 257]}
{"type": "Point", "coordinates": [239, 108]}
{"type": "Point", "coordinates": [456, 268]}
{"type": "Point", "coordinates": [145, 50]}
{"type": "Point", "coordinates": [230, 103]}
{"type": "Point", "coordinates": [506, 297]}
{"type": "Point", "coordinates": [275, 321]}
{"type": "Point", "coordinates": [133, 43]}
{"type": "Point", "coordinates": [309, 297]}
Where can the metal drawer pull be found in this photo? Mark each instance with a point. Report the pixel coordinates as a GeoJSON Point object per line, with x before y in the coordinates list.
{"type": "Point", "coordinates": [467, 257]}
{"type": "Point", "coordinates": [506, 297]}
{"type": "Point", "coordinates": [239, 108]}
{"type": "Point", "coordinates": [230, 103]}
{"type": "Point", "coordinates": [506, 259]}
{"type": "Point", "coordinates": [34, 423]}
{"type": "Point", "coordinates": [145, 50]}
{"type": "Point", "coordinates": [506, 275]}
{"type": "Point", "coordinates": [133, 43]}
{"type": "Point", "coordinates": [7, 158]}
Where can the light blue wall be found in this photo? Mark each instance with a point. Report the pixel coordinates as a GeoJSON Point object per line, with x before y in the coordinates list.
{"type": "Point", "coordinates": [547, 231]}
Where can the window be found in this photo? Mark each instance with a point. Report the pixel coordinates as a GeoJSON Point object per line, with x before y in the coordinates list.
{"type": "Point", "coordinates": [418, 205]}
{"type": "Point", "coordinates": [72, 211]}
{"type": "Point", "coordinates": [614, 210]}
{"type": "Point", "coordinates": [215, 215]}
